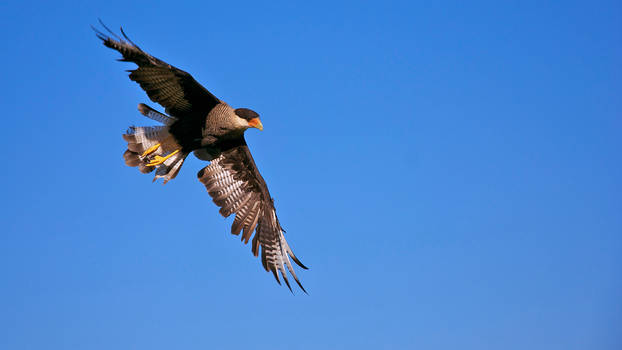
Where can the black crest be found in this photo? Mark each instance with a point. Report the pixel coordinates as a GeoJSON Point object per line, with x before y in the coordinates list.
{"type": "Point", "coordinates": [246, 113]}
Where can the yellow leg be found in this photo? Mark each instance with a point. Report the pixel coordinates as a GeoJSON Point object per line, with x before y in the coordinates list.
{"type": "Point", "coordinates": [157, 160]}
{"type": "Point", "coordinates": [150, 150]}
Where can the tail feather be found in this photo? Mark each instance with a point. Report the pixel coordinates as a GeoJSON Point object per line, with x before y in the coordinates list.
{"type": "Point", "coordinates": [169, 169]}
{"type": "Point", "coordinates": [142, 138]}
{"type": "Point", "coordinates": [155, 115]}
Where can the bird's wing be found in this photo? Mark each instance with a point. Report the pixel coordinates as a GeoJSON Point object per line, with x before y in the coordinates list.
{"type": "Point", "coordinates": [236, 186]}
{"type": "Point", "coordinates": [174, 89]}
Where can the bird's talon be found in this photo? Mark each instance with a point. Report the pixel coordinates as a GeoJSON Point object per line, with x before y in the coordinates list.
{"type": "Point", "coordinates": [150, 150]}
{"type": "Point", "coordinates": [157, 160]}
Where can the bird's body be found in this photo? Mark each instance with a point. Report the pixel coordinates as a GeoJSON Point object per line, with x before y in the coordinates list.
{"type": "Point", "coordinates": [222, 124]}
{"type": "Point", "coordinates": [196, 121]}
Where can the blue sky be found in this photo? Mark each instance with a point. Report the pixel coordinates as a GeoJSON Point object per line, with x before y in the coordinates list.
{"type": "Point", "coordinates": [450, 173]}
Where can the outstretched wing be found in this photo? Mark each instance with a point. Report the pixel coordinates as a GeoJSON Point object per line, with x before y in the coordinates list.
{"type": "Point", "coordinates": [236, 186]}
{"type": "Point", "coordinates": [177, 91]}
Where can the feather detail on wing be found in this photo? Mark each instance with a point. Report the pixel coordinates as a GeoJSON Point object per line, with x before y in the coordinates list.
{"type": "Point", "coordinates": [173, 88]}
{"type": "Point", "coordinates": [235, 185]}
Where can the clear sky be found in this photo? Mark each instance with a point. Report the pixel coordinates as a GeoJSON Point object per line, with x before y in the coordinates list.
{"type": "Point", "coordinates": [450, 173]}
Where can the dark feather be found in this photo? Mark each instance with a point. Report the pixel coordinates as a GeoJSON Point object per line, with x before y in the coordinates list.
{"type": "Point", "coordinates": [232, 179]}
{"type": "Point", "coordinates": [177, 91]}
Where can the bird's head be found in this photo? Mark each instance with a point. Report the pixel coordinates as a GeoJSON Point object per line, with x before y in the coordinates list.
{"type": "Point", "coordinates": [251, 117]}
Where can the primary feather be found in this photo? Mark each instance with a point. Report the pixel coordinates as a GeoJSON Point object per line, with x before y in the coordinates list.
{"type": "Point", "coordinates": [196, 121]}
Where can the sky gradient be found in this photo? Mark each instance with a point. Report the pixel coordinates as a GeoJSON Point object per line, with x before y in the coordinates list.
{"type": "Point", "coordinates": [449, 172]}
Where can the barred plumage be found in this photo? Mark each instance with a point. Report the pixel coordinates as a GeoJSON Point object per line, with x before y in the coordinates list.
{"type": "Point", "coordinates": [255, 211]}
{"type": "Point", "coordinates": [196, 121]}
{"type": "Point", "coordinates": [155, 115]}
{"type": "Point", "coordinates": [141, 138]}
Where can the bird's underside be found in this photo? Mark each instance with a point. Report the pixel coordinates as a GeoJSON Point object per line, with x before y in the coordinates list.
{"type": "Point", "coordinates": [196, 121]}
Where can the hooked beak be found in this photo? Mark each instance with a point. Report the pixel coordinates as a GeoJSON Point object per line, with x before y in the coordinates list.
{"type": "Point", "coordinates": [255, 123]}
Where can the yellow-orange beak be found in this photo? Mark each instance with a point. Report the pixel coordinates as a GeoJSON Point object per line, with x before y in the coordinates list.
{"type": "Point", "coordinates": [255, 123]}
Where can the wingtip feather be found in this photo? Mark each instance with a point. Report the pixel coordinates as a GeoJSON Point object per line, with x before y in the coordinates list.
{"type": "Point", "coordinates": [287, 283]}
{"type": "Point", "coordinates": [301, 287]}
{"type": "Point", "coordinates": [298, 261]}
{"type": "Point", "coordinates": [276, 276]}
{"type": "Point", "coordinates": [108, 29]}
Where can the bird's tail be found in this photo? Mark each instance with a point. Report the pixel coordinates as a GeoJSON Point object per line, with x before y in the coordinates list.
{"type": "Point", "coordinates": [153, 147]}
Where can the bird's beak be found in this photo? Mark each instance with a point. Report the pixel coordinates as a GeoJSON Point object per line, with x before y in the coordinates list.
{"type": "Point", "coordinates": [255, 123]}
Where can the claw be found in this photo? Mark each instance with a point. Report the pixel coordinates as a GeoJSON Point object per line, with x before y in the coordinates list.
{"type": "Point", "coordinates": [150, 150]}
{"type": "Point", "coordinates": [157, 160]}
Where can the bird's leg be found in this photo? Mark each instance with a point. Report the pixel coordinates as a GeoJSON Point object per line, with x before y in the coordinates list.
{"type": "Point", "coordinates": [157, 160]}
{"type": "Point", "coordinates": [151, 150]}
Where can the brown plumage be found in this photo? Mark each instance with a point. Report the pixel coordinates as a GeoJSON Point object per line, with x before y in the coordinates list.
{"type": "Point", "coordinates": [196, 121]}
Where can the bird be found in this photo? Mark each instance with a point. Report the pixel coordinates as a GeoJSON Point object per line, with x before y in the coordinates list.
{"type": "Point", "coordinates": [195, 121]}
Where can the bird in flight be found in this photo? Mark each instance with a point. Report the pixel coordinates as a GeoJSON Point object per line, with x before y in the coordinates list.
{"type": "Point", "coordinates": [196, 121]}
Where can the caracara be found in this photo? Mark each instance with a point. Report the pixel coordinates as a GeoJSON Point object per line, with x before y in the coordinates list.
{"type": "Point", "coordinates": [196, 121]}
